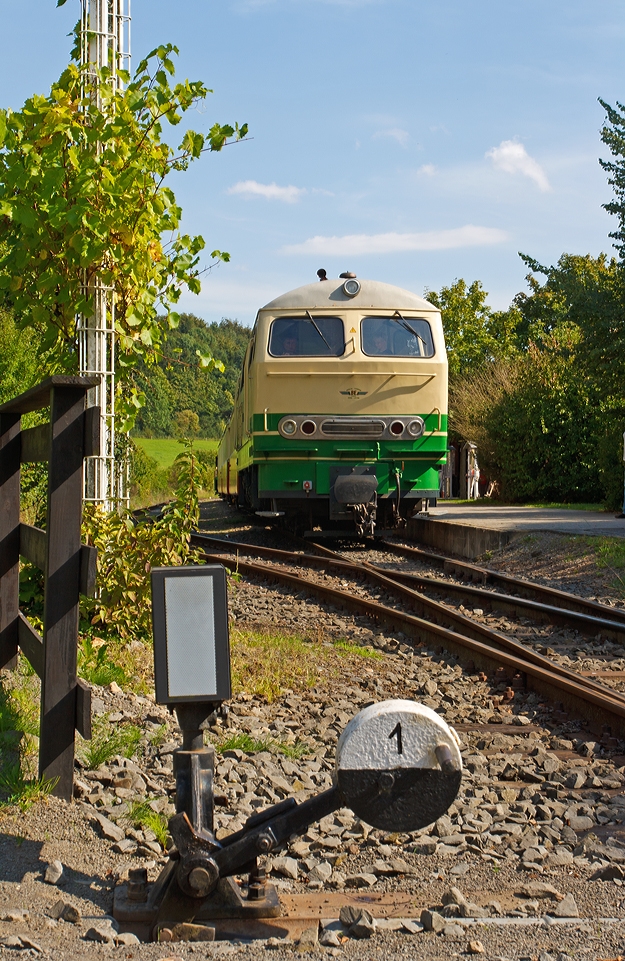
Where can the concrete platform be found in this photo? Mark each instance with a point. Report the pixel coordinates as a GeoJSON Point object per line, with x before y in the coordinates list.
{"type": "Point", "coordinates": [470, 530]}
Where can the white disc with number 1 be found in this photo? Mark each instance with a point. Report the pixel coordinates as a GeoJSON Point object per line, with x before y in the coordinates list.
{"type": "Point", "coordinates": [398, 765]}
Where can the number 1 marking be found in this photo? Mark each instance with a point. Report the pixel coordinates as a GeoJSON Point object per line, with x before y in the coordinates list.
{"type": "Point", "coordinates": [397, 731]}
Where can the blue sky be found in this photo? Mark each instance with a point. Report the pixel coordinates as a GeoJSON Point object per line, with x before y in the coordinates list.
{"type": "Point", "coordinates": [412, 141]}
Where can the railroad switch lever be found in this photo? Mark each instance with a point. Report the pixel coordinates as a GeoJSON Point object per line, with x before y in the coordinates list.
{"type": "Point", "coordinates": [398, 767]}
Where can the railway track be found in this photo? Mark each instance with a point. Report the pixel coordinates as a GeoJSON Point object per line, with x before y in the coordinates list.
{"type": "Point", "coordinates": [429, 621]}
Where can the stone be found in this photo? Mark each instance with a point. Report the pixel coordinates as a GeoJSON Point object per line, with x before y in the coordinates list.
{"type": "Point", "coordinates": [125, 846]}
{"type": "Point", "coordinates": [330, 939]}
{"type": "Point", "coordinates": [103, 933]}
{"type": "Point", "coordinates": [560, 857]}
{"type": "Point", "coordinates": [453, 896]}
{"type": "Point", "coordinates": [575, 780]}
{"type": "Point", "coordinates": [71, 914]}
{"type": "Point", "coordinates": [475, 947]}
{"type": "Point", "coordinates": [269, 943]}
{"type": "Point", "coordinates": [432, 921]}
{"type": "Point", "coordinates": [62, 910]}
{"type": "Point", "coordinates": [540, 889]}
{"type": "Point", "coordinates": [309, 939]}
{"type": "Point", "coordinates": [425, 847]}
{"type": "Point", "coordinates": [471, 910]}
{"type": "Point", "coordinates": [54, 872]}
{"type": "Point", "coordinates": [363, 880]}
{"type": "Point", "coordinates": [126, 938]}
{"type": "Point", "coordinates": [399, 866]}
{"type": "Point", "coordinates": [611, 872]}
{"type": "Point", "coordinates": [580, 822]}
{"type": "Point", "coordinates": [453, 930]}
{"type": "Point", "coordinates": [12, 941]}
{"type": "Point", "coordinates": [30, 945]}
{"type": "Point", "coordinates": [15, 915]}
{"type": "Point", "coordinates": [411, 927]}
{"type": "Point", "coordinates": [348, 914]}
{"type": "Point", "coordinates": [300, 849]}
{"type": "Point", "coordinates": [321, 872]}
{"type": "Point", "coordinates": [567, 908]}
{"type": "Point", "coordinates": [364, 926]}
{"type": "Point", "coordinates": [109, 830]}
{"type": "Point", "coordinates": [286, 867]}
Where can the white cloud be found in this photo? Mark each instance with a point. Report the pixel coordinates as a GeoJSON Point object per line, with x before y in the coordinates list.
{"type": "Point", "coordinates": [467, 236]}
{"type": "Point", "coordinates": [427, 170]}
{"type": "Point", "coordinates": [512, 157]}
{"type": "Point", "coordinates": [251, 188]}
{"type": "Point", "coordinates": [393, 133]}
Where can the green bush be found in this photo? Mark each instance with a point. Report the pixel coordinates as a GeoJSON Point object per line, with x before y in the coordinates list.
{"type": "Point", "coordinates": [128, 548]}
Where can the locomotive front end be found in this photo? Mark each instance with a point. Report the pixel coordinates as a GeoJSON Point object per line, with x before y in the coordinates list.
{"type": "Point", "coordinates": [341, 419]}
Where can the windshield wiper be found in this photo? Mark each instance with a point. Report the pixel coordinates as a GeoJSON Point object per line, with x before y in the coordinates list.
{"type": "Point", "coordinates": [317, 328]}
{"type": "Point", "coordinates": [404, 323]}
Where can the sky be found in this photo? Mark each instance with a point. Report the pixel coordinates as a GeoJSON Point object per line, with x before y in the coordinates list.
{"type": "Point", "coordinates": [411, 141]}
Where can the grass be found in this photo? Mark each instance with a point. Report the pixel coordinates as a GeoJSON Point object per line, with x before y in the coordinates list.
{"type": "Point", "coordinates": [22, 791]}
{"type": "Point", "coordinates": [108, 741]}
{"type": "Point", "coordinates": [266, 662]}
{"type": "Point", "coordinates": [344, 647]}
{"type": "Point", "coordinates": [141, 815]}
{"type": "Point", "coordinates": [165, 450]}
{"type": "Point", "coordinates": [252, 745]}
{"type": "Point", "coordinates": [95, 664]}
{"type": "Point", "coordinates": [19, 737]}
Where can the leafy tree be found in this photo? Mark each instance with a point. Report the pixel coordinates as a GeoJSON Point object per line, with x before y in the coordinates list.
{"type": "Point", "coordinates": [473, 333]}
{"type": "Point", "coordinates": [20, 357]}
{"type": "Point", "coordinates": [613, 136]}
{"type": "Point", "coordinates": [83, 195]}
{"type": "Point", "coordinates": [177, 384]}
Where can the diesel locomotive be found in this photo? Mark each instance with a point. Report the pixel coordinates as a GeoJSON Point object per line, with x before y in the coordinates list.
{"type": "Point", "coordinates": [340, 419]}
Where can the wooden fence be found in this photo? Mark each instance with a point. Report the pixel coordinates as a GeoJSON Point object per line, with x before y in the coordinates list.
{"type": "Point", "coordinates": [69, 567]}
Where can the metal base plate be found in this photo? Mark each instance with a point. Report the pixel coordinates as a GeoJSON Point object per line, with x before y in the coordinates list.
{"type": "Point", "coordinates": [226, 907]}
{"type": "Point", "coordinates": [299, 912]}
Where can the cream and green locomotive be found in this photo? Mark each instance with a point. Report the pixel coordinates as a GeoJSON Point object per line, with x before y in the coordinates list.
{"type": "Point", "coordinates": [340, 420]}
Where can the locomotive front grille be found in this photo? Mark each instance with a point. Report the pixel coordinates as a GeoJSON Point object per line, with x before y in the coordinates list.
{"type": "Point", "coordinates": [363, 427]}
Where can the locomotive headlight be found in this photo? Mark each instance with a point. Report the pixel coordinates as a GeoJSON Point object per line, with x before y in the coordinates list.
{"type": "Point", "coordinates": [351, 287]}
{"type": "Point", "coordinates": [416, 427]}
{"type": "Point", "coordinates": [289, 427]}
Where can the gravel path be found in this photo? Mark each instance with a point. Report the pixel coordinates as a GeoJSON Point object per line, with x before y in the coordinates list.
{"type": "Point", "coordinates": [529, 862]}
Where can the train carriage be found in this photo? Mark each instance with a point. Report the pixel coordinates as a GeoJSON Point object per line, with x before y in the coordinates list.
{"type": "Point", "coordinates": [340, 420]}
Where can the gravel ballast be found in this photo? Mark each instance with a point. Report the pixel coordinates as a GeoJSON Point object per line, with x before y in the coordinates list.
{"type": "Point", "coordinates": [529, 862]}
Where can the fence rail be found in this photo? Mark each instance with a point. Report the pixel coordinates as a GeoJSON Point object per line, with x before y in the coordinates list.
{"type": "Point", "coordinates": [69, 567]}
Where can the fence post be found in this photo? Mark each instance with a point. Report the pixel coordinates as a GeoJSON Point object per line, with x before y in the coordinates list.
{"type": "Point", "coordinates": [10, 455]}
{"type": "Point", "coordinates": [62, 579]}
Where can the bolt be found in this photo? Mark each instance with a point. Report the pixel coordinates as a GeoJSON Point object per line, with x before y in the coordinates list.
{"type": "Point", "coordinates": [386, 781]}
{"type": "Point", "coordinates": [199, 879]}
{"type": "Point", "coordinates": [138, 884]}
{"type": "Point", "coordinates": [255, 891]}
{"type": "Point", "coordinates": [264, 843]}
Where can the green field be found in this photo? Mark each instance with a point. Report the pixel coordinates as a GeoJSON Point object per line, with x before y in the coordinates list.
{"type": "Point", "coordinates": [165, 450]}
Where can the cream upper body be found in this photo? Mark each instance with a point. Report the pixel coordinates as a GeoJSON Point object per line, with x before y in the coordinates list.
{"type": "Point", "coordinates": [333, 383]}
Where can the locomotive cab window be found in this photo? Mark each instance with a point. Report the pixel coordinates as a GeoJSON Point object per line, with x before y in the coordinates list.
{"type": "Point", "coordinates": [396, 337]}
{"type": "Point", "coordinates": [307, 336]}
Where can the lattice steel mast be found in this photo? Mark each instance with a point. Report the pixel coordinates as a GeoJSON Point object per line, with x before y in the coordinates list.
{"type": "Point", "coordinates": [104, 42]}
